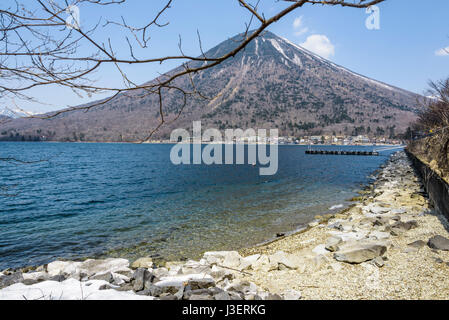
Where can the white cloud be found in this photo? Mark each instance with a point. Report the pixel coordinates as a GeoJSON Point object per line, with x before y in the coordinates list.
{"type": "Point", "coordinates": [301, 31]}
{"type": "Point", "coordinates": [319, 44]}
{"type": "Point", "coordinates": [297, 23]}
{"type": "Point", "coordinates": [298, 26]}
{"type": "Point", "coordinates": [442, 52]}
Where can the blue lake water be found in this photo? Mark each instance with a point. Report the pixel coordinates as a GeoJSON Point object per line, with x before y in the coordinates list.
{"type": "Point", "coordinates": [127, 200]}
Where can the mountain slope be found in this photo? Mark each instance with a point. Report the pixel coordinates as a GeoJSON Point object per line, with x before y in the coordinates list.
{"type": "Point", "coordinates": [273, 83]}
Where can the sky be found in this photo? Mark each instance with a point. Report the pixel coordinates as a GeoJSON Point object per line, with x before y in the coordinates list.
{"type": "Point", "coordinates": [405, 48]}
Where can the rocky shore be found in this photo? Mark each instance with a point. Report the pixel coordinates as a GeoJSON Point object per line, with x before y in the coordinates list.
{"type": "Point", "coordinates": [389, 245]}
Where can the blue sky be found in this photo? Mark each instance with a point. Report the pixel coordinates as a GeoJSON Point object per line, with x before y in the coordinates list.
{"type": "Point", "coordinates": [403, 52]}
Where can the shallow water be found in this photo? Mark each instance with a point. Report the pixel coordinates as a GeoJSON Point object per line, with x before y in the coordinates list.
{"type": "Point", "coordinates": [129, 200]}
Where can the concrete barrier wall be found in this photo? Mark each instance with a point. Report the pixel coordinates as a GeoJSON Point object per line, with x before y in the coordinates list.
{"type": "Point", "coordinates": [436, 187]}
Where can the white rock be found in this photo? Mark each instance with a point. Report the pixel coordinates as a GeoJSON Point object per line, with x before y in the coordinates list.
{"type": "Point", "coordinates": [399, 211]}
{"type": "Point", "coordinates": [332, 243]}
{"type": "Point", "coordinates": [230, 259]}
{"type": "Point", "coordinates": [242, 286]}
{"type": "Point", "coordinates": [175, 270]}
{"type": "Point", "coordinates": [361, 251]}
{"type": "Point", "coordinates": [379, 235]}
{"type": "Point", "coordinates": [221, 274]}
{"type": "Point", "coordinates": [145, 262]}
{"type": "Point", "coordinates": [34, 275]}
{"type": "Point", "coordinates": [347, 236]}
{"type": "Point", "coordinates": [192, 266]}
{"type": "Point", "coordinates": [179, 281]}
{"type": "Point", "coordinates": [160, 272]}
{"type": "Point", "coordinates": [120, 278]}
{"type": "Point", "coordinates": [379, 210]}
{"type": "Point", "coordinates": [264, 264]}
{"type": "Point", "coordinates": [60, 267]}
{"type": "Point", "coordinates": [320, 249]}
{"type": "Point", "coordinates": [96, 267]}
{"type": "Point", "coordinates": [70, 289]}
{"type": "Point", "coordinates": [292, 295]}
{"type": "Point", "coordinates": [246, 262]}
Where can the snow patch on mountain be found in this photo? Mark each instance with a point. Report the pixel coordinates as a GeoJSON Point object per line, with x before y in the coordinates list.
{"type": "Point", "coordinates": [14, 113]}
{"type": "Point", "coordinates": [278, 47]}
{"type": "Point", "coordinates": [335, 66]}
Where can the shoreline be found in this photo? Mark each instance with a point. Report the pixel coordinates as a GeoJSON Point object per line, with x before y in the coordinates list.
{"type": "Point", "coordinates": [173, 143]}
{"type": "Point", "coordinates": [381, 247]}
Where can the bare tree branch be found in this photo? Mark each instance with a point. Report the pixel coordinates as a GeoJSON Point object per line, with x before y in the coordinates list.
{"type": "Point", "coordinates": [38, 49]}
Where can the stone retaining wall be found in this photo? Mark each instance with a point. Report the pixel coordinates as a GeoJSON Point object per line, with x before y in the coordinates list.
{"type": "Point", "coordinates": [436, 187]}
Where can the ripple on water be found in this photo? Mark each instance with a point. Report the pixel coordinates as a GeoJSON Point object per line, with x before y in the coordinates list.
{"type": "Point", "coordinates": [129, 200]}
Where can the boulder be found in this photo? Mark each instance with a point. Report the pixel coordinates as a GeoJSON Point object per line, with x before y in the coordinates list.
{"type": "Point", "coordinates": [96, 267]}
{"type": "Point", "coordinates": [174, 268]}
{"type": "Point", "coordinates": [264, 264]}
{"type": "Point", "coordinates": [379, 235]}
{"type": "Point", "coordinates": [160, 272]}
{"type": "Point", "coordinates": [141, 275]}
{"type": "Point", "coordinates": [195, 284]}
{"type": "Point", "coordinates": [404, 226]}
{"type": "Point", "coordinates": [188, 293]}
{"type": "Point", "coordinates": [105, 277]}
{"type": "Point", "coordinates": [8, 280]}
{"type": "Point", "coordinates": [191, 267]}
{"type": "Point", "coordinates": [63, 267]}
{"type": "Point", "coordinates": [348, 236]}
{"type": "Point", "coordinates": [119, 279]}
{"type": "Point", "coordinates": [379, 210]}
{"type": "Point", "coordinates": [240, 286]}
{"type": "Point", "coordinates": [360, 252]}
{"type": "Point", "coordinates": [332, 243]}
{"type": "Point", "coordinates": [153, 290]}
{"type": "Point", "coordinates": [125, 287]}
{"type": "Point", "coordinates": [246, 262]}
{"type": "Point", "coordinates": [220, 274]}
{"type": "Point", "coordinates": [174, 283]}
{"type": "Point", "coordinates": [417, 244]}
{"type": "Point", "coordinates": [145, 262]}
{"type": "Point", "coordinates": [439, 243]}
{"type": "Point", "coordinates": [290, 261]}
{"type": "Point", "coordinates": [222, 296]}
{"type": "Point", "coordinates": [229, 259]}
{"type": "Point", "coordinates": [399, 211]}
{"type": "Point", "coordinates": [36, 276]}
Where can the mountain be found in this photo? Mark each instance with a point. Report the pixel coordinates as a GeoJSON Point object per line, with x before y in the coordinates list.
{"type": "Point", "coordinates": [273, 83]}
{"type": "Point", "coordinates": [15, 113]}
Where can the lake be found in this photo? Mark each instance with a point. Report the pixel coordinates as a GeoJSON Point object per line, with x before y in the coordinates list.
{"type": "Point", "coordinates": [129, 200]}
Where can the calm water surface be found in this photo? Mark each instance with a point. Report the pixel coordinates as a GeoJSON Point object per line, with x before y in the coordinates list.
{"type": "Point", "coordinates": [129, 200]}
